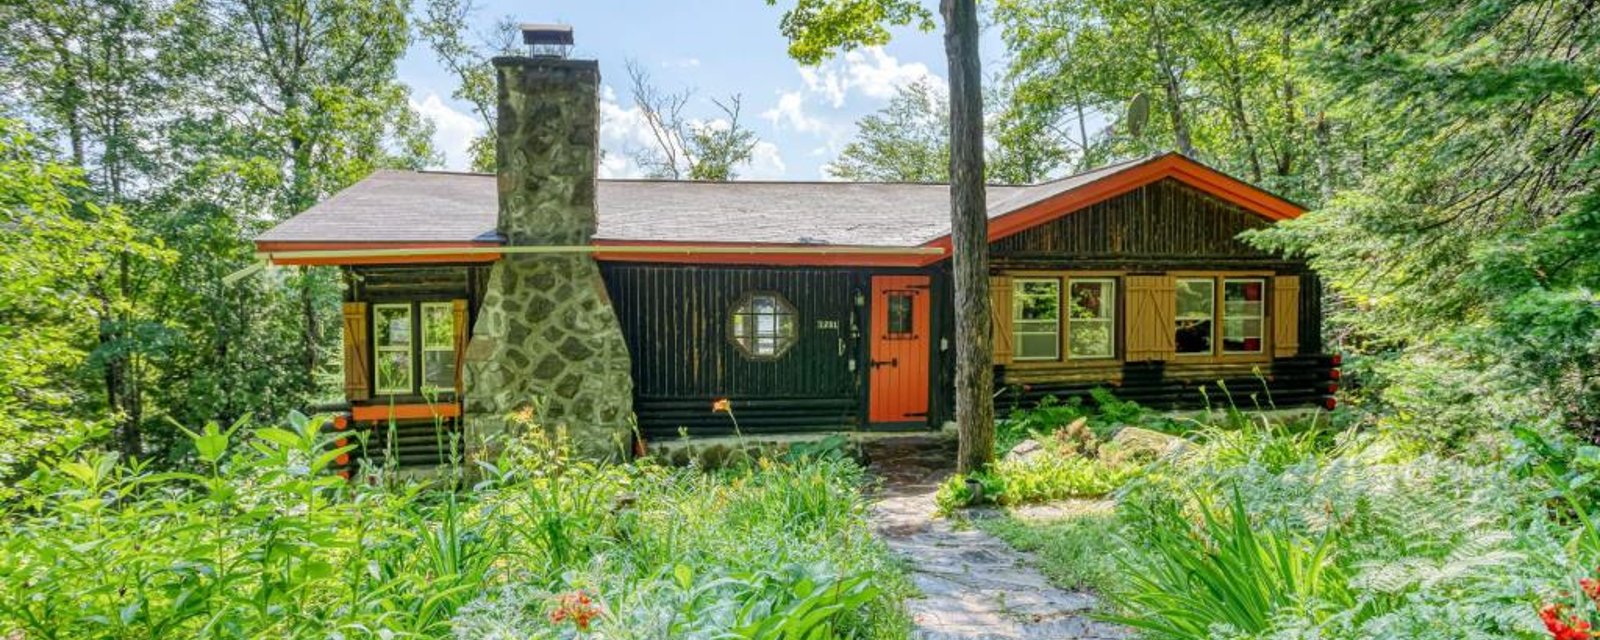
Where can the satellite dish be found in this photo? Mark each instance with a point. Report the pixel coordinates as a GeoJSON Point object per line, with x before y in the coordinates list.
{"type": "Point", "coordinates": [1138, 113]}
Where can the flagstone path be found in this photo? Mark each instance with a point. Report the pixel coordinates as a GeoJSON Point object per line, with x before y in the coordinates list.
{"type": "Point", "coordinates": [974, 586]}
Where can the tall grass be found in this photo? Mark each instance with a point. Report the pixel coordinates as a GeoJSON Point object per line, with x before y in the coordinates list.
{"type": "Point", "coordinates": [264, 541]}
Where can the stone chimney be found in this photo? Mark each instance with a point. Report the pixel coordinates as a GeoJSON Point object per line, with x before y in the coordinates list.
{"type": "Point", "coordinates": [547, 340]}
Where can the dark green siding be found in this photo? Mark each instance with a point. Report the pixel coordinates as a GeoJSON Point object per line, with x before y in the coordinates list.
{"type": "Point", "coordinates": [675, 319]}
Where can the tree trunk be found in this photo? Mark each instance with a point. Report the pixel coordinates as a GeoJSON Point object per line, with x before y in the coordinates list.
{"type": "Point", "coordinates": [969, 239]}
{"type": "Point", "coordinates": [1235, 84]}
{"type": "Point", "coordinates": [1173, 87]}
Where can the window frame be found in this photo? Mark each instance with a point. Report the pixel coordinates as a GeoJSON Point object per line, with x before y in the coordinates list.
{"type": "Point", "coordinates": [1211, 344]}
{"type": "Point", "coordinates": [1017, 281]}
{"type": "Point", "coordinates": [1261, 318]}
{"type": "Point", "coordinates": [423, 349]}
{"type": "Point", "coordinates": [414, 306]}
{"type": "Point", "coordinates": [783, 343]}
{"type": "Point", "coordinates": [379, 349]}
{"type": "Point", "coordinates": [1217, 354]}
{"type": "Point", "coordinates": [1110, 306]}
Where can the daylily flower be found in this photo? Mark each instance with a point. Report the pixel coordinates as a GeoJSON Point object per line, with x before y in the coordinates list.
{"type": "Point", "coordinates": [722, 406]}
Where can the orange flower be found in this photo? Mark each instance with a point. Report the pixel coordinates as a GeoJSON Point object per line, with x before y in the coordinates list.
{"type": "Point", "coordinates": [577, 608]}
{"type": "Point", "coordinates": [722, 406]}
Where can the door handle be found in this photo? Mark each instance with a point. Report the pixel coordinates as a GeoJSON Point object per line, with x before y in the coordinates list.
{"type": "Point", "coordinates": [895, 362]}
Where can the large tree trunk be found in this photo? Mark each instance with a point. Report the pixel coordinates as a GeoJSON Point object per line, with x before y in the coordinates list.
{"type": "Point", "coordinates": [969, 238]}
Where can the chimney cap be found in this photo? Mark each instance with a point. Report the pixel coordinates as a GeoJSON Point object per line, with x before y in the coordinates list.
{"type": "Point", "coordinates": [539, 34]}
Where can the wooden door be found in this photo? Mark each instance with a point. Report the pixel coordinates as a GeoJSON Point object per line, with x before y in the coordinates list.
{"type": "Point", "coordinates": [897, 385]}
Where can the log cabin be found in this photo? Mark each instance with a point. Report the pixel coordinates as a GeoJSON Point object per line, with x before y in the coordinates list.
{"type": "Point", "coordinates": [622, 309]}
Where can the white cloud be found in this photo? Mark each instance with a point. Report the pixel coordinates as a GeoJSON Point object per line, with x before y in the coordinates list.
{"type": "Point", "coordinates": [453, 130]}
{"type": "Point", "coordinates": [790, 111]}
{"type": "Point", "coordinates": [766, 163]}
{"type": "Point", "coordinates": [681, 63]}
{"type": "Point", "coordinates": [869, 71]}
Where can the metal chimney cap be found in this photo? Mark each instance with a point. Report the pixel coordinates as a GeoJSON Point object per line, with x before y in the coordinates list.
{"type": "Point", "coordinates": [536, 34]}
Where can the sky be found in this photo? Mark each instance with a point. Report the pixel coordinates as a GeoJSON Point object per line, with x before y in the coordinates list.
{"type": "Point", "coordinates": [803, 115]}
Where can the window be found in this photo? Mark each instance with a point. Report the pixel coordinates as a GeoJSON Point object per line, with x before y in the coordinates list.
{"type": "Point", "coordinates": [391, 332]}
{"type": "Point", "coordinates": [1035, 320]}
{"type": "Point", "coordinates": [1091, 318]}
{"type": "Point", "coordinates": [1195, 312]}
{"type": "Point", "coordinates": [414, 343]}
{"type": "Point", "coordinates": [438, 346]}
{"type": "Point", "coordinates": [763, 325]}
{"type": "Point", "coordinates": [901, 304]}
{"type": "Point", "coordinates": [1242, 314]}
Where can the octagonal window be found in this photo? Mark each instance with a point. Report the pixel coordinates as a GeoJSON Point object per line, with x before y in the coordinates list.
{"type": "Point", "coordinates": [763, 325]}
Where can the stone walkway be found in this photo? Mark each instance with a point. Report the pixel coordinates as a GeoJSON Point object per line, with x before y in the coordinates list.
{"type": "Point", "coordinates": [974, 586]}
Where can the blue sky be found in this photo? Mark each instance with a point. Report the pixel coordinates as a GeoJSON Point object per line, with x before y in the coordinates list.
{"type": "Point", "coordinates": [803, 116]}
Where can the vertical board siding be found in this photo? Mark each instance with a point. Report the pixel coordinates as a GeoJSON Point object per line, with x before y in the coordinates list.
{"type": "Point", "coordinates": [1165, 219]}
{"type": "Point", "coordinates": [675, 320]}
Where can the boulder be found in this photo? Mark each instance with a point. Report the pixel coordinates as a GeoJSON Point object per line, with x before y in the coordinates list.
{"type": "Point", "coordinates": [1136, 442]}
{"type": "Point", "coordinates": [1025, 449]}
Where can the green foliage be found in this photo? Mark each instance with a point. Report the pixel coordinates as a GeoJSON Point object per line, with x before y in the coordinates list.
{"type": "Point", "coordinates": [1350, 537]}
{"type": "Point", "coordinates": [265, 541]}
{"type": "Point", "coordinates": [1077, 551]}
{"type": "Point", "coordinates": [1071, 463]}
{"type": "Point", "coordinates": [906, 141]}
{"type": "Point", "coordinates": [817, 29]}
{"type": "Point", "coordinates": [1227, 574]}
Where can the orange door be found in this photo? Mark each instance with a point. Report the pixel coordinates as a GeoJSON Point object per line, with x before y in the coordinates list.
{"type": "Point", "coordinates": [898, 383]}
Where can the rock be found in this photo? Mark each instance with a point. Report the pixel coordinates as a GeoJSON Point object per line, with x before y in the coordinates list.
{"type": "Point", "coordinates": [1024, 450]}
{"type": "Point", "coordinates": [1137, 442]}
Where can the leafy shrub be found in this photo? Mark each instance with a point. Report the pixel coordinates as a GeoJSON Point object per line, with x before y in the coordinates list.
{"type": "Point", "coordinates": [1410, 546]}
{"type": "Point", "coordinates": [1224, 574]}
{"type": "Point", "coordinates": [1068, 466]}
{"type": "Point", "coordinates": [265, 542]}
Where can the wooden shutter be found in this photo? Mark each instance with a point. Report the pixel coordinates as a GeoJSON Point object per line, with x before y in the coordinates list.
{"type": "Point", "coordinates": [462, 333]}
{"type": "Point", "coordinates": [1152, 305]}
{"type": "Point", "coordinates": [357, 360]}
{"type": "Point", "coordinates": [1285, 316]}
{"type": "Point", "coordinates": [1000, 312]}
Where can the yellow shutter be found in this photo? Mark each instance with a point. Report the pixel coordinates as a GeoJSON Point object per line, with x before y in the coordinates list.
{"type": "Point", "coordinates": [1285, 316]}
{"type": "Point", "coordinates": [1000, 311]}
{"type": "Point", "coordinates": [462, 333]}
{"type": "Point", "coordinates": [1152, 302]}
{"type": "Point", "coordinates": [357, 366]}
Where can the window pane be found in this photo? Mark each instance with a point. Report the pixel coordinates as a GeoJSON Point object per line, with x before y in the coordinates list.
{"type": "Point", "coordinates": [1036, 312]}
{"type": "Point", "coordinates": [439, 369]}
{"type": "Point", "coordinates": [764, 325]}
{"type": "Point", "coordinates": [392, 326]}
{"type": "Point", "coordinates": [1242, 311]}
{"type": "Point", "coordinates": [438, 325]}
{"type": "Point", "coordinates": [1195, 311]}
{"type": "Point", "coordinates": [394, 371]}
{"type": "Point", "coordinates": [1091, 315]}
{"type": "Point", "coordinates": [1090, 339]}
{"type": "Point", "coordinates": [1036, 300]}
{"type": "Point", "coordinates": [900, 305]}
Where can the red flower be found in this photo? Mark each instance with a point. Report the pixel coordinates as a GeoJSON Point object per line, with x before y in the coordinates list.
{"type": "Point", "coordinates": [1562, 627]}
{"type": "Point", "coordinates": [577, 607]}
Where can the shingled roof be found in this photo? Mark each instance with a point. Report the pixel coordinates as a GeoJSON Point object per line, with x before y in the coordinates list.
{"type": "Point", "coordinates": [440, 207]}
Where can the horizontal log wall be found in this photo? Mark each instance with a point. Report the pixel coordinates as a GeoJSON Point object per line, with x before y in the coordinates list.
{"type": "Point", "coordinates": [676, 322]}
{"type": "Point", "coordinates": [1300, 381]}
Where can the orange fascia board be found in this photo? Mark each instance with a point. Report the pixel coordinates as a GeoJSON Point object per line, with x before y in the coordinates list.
{"type": "Point", "coordinates": [807, 254]}
{"type": "Point", "coordinates": [384, 413]}
{"type": "Point", "coordinates": [1172, 165]}
{"type": "Point", "coordinates": [277, 247]}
